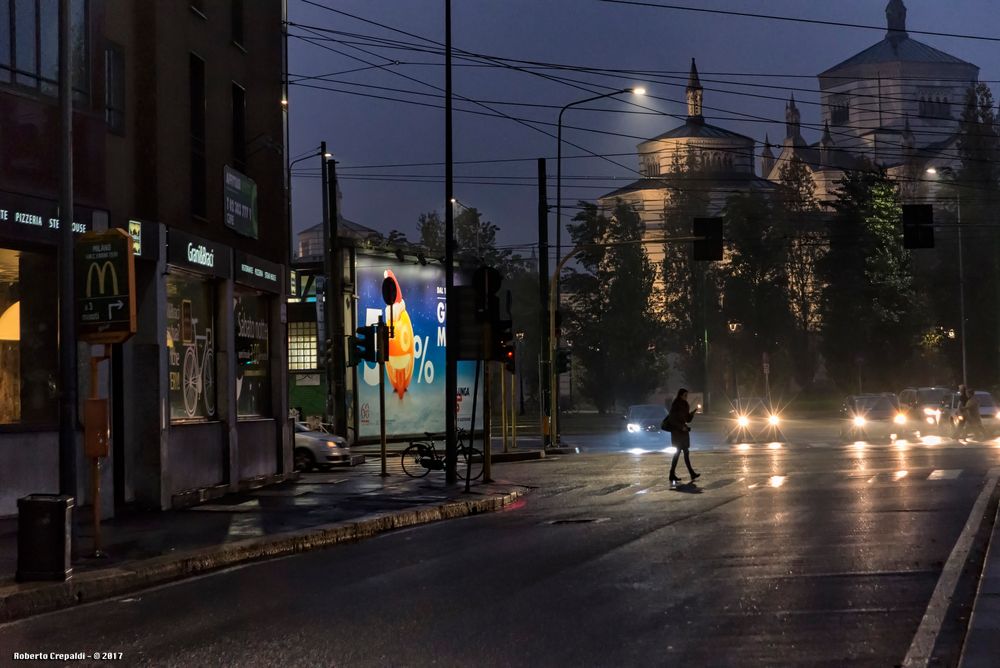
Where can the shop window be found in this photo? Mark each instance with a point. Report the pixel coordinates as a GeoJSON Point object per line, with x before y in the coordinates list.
{"type": "Point", "coordinates": [28, 340]}
{"type": "Point", "coordinates": [253, 362]}
{"type": "Point", "coordinates": [29, 45]}
{"type": "Point", "coordinates": [191, 347]}
{"type": "Point", "coordinates": [302, 346]}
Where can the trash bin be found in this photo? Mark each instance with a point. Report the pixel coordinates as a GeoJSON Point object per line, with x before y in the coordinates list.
{"type": "Point", "coordinates": [44, 526]}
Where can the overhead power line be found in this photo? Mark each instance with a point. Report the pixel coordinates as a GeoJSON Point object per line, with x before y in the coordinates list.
{"type": "Point", "coordinates": [794, 19]}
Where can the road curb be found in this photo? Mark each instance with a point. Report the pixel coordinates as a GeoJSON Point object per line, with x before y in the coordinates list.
{"type": "Point", "coordinates": [24, 600]}
{"type": "Point", "coordinates": [982, 637]}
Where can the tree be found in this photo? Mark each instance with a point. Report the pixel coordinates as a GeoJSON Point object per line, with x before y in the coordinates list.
{"type": "Point", "coordinates": [977, 183]}
{"type": "Point", "coordinates": [689, 296]}
{"type": "Point", "coordinates": [611, 325]}
{"type": "Point", "coordinates": [798, 214]}
{"type": "Point", "coordinates": [475, 240]}
{"type": "Point", "coordinates": [870, 321]}
{"type": "Point", "coordinates": [755, 282]}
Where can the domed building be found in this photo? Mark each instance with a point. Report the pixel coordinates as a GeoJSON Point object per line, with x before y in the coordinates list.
{"type": "Point", "coordinates": [721, 160]}
{"type": "Point", "coordinates": [897, 103]}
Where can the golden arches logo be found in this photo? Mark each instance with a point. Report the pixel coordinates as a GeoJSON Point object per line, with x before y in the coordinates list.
{"type": "Point", "coordinates": [101, 271]}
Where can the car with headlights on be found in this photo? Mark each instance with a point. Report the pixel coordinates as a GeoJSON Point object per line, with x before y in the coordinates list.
{"type": "Point", "coordinates": [924, 406]}
{"type": "Point", "coordinates": [642, 426]}
{"type": "Point", "coordinates": [315, 448]}
{"type": "Point", "coordinates": [753, 419]}
{"type": "Point", "coordinates": [866, 417]}
{"type": "Point", "coordinates": [989, 414]}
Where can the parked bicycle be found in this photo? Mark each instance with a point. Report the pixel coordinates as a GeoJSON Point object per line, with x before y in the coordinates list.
{"type": "Point", "coordinates": [422, 457]}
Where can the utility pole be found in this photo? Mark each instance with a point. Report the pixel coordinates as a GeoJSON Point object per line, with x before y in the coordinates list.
{"type": "Point", "coordinates": [335, 303]}
{"type": "Point", "coordinates": [543, 296]}
{"type": "Point", "coordinates": [451, 333]}
{"type": "Point", "coordinates": [67, 330]}
{"type": "Point", "coordinates": [328, 293]}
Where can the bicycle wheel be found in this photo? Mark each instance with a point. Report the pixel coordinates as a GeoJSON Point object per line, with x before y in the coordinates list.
{"type": "Point", "coordinates": [475, 469]}
{"type": "Point", "coordinates": [412, 460]}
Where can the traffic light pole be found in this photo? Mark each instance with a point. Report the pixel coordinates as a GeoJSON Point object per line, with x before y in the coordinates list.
{"type": "Point", "coordinates": [383, 350]}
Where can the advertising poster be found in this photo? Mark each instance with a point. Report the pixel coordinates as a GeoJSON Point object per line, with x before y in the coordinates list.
{"type": "Point", "coordinates": [253, 360]}
{"type": "Point", "coordinates": [415, 372]}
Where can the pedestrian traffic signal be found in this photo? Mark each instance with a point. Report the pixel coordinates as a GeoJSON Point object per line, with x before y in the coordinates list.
{"type": "Point", "coordinates": [509, 362]}
{"type": "Point", "coordinates": [563, 360]}
{"type": "Point", "coordinates": [365, 343]}
{"type": "Point", "coordinates": [709, 248]}
{"type": "Point", "coordinates": [918, 226]}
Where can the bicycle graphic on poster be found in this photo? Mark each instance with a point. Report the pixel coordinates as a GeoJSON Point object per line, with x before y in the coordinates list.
{"type": "Point", "coordinates": [198, 370]}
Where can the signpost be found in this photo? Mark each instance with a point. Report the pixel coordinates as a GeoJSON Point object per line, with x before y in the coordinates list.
{"type": "Point", "coordinates": [105, 314]}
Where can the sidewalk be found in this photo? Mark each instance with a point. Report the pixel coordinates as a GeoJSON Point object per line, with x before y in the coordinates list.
{"type": "Point", "coordinates": [982, 640]}
{"type": "Point", "coordinates": [321, 509]}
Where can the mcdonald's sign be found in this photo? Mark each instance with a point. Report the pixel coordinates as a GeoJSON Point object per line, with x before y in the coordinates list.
{"type": "Point", "coordinates": [105, 286]}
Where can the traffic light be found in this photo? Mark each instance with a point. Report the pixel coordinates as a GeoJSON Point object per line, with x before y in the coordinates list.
{"type": "Point", "coordinates": [563, 360]}
{"type": "Point", "coordinates": [509, 361]}
{"type": "Point", "coordinates": [353, 358]}
{"type": "Point", "coordinates": [708, 249]}
{"type": "Point", "coordinates": [328, 353]}
{"type": "Point", "coordinates": [501, 340]}
{"type": "Point", "coordinates": [365, 343]}
{"type": "Point", "coordinates": [486, 282]}
{"type": "Point", "coordinates": [918, 226]}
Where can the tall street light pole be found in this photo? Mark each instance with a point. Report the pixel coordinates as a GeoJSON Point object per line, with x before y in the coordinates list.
{"type": "Point", "coordinates": [961, 272]}
{"type": "Point", "coordinates": [451, 318]}
{"type": "Point", "coordinates": [554, 390]}
{"type": "Point", "coordinates": [320, 151]}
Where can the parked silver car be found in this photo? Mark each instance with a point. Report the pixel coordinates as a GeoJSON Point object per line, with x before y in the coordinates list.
{"type": "Point", "coordinates": [318, 449]}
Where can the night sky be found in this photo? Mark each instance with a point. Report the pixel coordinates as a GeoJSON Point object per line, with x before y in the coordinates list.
{"type": "Point", "coordinates": [579, 33]}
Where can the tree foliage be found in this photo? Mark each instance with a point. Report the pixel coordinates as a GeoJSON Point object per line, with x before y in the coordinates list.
{"type": "Point", "coordinates": [612, 326]}
{"type": "Point", "coordinates": [870, 325]}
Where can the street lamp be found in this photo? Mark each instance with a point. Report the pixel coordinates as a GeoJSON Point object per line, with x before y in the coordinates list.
{"type": "Point", "coordinates": [961, 269]}
{"type": "Point", "coordinates": [320, 151]}
{"type": "Point", "coordinates": [559, 223]}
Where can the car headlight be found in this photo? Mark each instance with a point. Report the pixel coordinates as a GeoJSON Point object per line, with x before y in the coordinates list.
{"type": "Point", "coordinates": [859, 421]}
{"type": "Point", "coordinates": [933, 412]}
{"type": "Point", "coordinates": [332, 444]}
{"type": "Point", "coordinates": [899, 419]}
{"type": "Point", "coordinates": [773, 420]}
{"type": "Point", "coordinates": [743, 421]}
{"type": "Point", "coordinates": [632, 427]}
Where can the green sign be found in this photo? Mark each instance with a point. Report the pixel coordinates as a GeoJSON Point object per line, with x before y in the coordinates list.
{"type": "Point", "coordinates": [240, 199]}
{"type": "Point", "coordinates": [105, 287]}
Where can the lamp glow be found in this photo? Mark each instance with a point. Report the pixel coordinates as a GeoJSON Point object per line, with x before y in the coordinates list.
{"type": "Point", "coordinates": [859, 421]}
{"type": "Point", "coordinates": [639, 91]}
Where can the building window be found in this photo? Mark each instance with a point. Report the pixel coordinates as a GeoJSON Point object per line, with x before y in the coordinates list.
{"type": "Point", "coordinates": [191, 347]}
{"type": "Point", "coordinates": [934, 107]}
{"type": "Point", "coordinates": [237, 19]}
{"type": "Point", "coordinates": [302, 346]}
{"type": "Point", "coordinates": [114, 91]}
{"type": "Point", "coordinates": [199, 171]}
{"type": "Point", "coordinates": [252, 316]}
{"type": "Point", "coordinates": [29, 45]}
{"type": "Point", "coordinates": [239, 127]}
{"type": "Point", "coordinates": [28, 340]}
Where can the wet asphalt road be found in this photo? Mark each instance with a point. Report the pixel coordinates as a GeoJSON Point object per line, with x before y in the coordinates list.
{"type": "Point", "coordinates": [778, 556]}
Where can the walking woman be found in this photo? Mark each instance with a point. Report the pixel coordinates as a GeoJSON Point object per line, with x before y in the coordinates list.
{"type": "Point", "coordinates": [680, 434]}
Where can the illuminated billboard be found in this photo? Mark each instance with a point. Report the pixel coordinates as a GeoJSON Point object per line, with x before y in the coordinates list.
{"type": "Point", "coordinates": [415, 372]}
